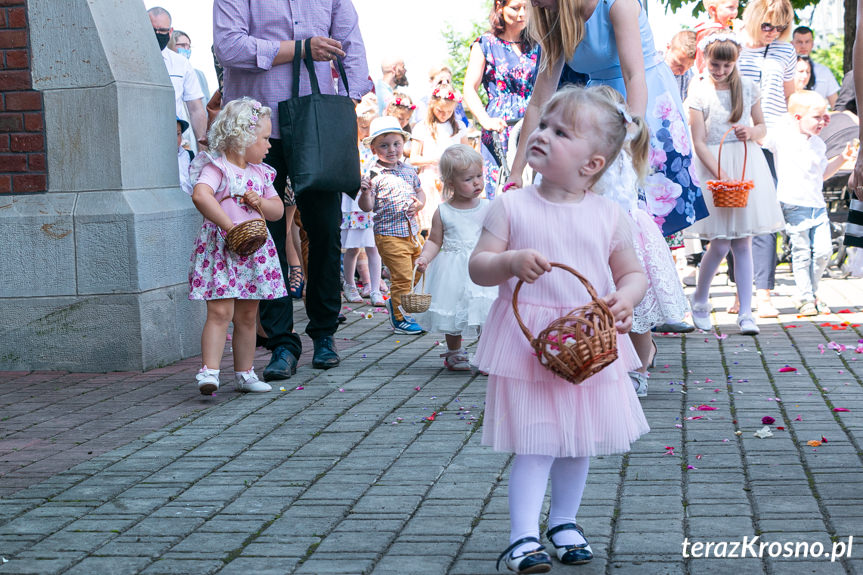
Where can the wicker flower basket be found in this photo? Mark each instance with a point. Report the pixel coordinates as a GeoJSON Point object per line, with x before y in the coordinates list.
{"type": "Point", "coordinates": [247, 237]}
{"type": "Point", "coordinates": [578, 345]}
{"type": "Point", "coordinates": [730, 193]}
{"type": "Point", "coordinates": [414, 302]}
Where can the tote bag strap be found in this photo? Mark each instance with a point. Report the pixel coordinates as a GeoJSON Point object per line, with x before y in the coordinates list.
{"type": "Point", "coordinates": [310, 68]}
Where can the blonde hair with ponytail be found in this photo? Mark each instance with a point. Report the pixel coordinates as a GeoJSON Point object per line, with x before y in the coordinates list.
{"type": "Point", "coordinates": [600, 112]}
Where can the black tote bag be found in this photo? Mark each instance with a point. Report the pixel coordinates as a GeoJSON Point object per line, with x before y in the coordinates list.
{"type": "Point", "coordinates": [319, 135]}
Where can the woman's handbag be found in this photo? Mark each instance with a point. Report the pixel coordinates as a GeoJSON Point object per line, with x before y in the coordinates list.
{"type": "Point", "coordinates": [319, 134]}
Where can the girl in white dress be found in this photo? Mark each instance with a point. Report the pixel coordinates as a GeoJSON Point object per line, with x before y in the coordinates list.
{"type": "Point", "coordinates": [431, 137]}
{"type": "Point", "coordinates": [719, 101]}
{"type": "Point", "coordinates": [459, 306]}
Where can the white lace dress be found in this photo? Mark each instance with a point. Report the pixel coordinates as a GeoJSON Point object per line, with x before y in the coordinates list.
{"type": "Point", "coordinates": [458, 305]}
{"type": "Point", "coordinates": [664, 301]}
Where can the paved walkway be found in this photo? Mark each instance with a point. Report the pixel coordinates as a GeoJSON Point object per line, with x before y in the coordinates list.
{"type": "Point", "coordinates": [376, 466]}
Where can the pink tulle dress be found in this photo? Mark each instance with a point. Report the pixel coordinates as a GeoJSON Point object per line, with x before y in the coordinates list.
{"type": "Point", "coordinates": [528, 409]}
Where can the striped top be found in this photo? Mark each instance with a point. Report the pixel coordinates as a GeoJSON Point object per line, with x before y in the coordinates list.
{"type": "Point", "coordinates": [770, 66]}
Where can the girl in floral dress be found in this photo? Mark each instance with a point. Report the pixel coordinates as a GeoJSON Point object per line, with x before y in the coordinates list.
{"type": "Point", "coordinates": [504, 60]}
{"type": "Point", "coordinates": [230, 185]}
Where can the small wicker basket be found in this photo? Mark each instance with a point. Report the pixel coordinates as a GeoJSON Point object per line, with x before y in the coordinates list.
{"type": "Point", "coordinates": [247, 237]}
{"type": "Point", "coordinates": [578, 345]}
{"type": "Point", "coordinates": [414, 302]}
{"type": "Point", "coordinates": [730, 193]}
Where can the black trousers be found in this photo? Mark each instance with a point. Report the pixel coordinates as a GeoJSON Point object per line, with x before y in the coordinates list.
{"type": "Point", "coordinates": [321, 216]}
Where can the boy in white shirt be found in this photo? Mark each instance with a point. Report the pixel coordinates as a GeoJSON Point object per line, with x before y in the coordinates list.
{"type": "Point", "coordinates": [802, 166]}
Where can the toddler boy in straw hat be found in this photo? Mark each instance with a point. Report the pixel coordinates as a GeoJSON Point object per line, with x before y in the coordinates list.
{"type": "Point", "coordinates": [394, 193]}
{"type": "Point", "coordinates": [802, 166]}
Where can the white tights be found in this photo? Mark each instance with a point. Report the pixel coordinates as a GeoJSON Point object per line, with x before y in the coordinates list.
{"type": "Point", "coordinates": [743, 275]}
{"type": "Point", "coordinates": [528, 480]}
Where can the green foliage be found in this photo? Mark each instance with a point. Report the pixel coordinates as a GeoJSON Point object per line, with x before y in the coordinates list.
{"type": "Point", "coordinates": [458, 46]}
{"type": "Point", "coordinates": [674, 5]}
{"type": "Point", "coordinates": [832, 55]}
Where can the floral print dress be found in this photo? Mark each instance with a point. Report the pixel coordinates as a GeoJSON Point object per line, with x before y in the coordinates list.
{"type": "Point", "coordinates": [508, 79]}
{"type": "Point", "coordinates": [216, 272]}
{"type": "Point", "coordinates": [671, 193]}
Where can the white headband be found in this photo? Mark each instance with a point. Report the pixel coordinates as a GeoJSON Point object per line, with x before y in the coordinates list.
{"type": "Point", "coordinates": [722, 37]}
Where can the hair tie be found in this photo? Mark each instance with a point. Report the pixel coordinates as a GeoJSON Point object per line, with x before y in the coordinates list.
{"type": "Point", "coordinates": [627, 118]}
{"type": "Point", "coordinates": [720, 37]}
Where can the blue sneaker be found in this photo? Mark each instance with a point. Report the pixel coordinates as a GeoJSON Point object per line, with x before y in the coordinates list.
{"type": "Point", "coordinates": [406, 326]}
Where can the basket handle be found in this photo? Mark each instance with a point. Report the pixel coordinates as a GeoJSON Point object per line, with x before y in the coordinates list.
{"type": "Point", "coordinates": [719, 155]}
{"type": "Point", "coordinates": [259, 210]}
{"type": "Point", "coordinates": [587, 285]}
{"type": "Point", "coordinates": [414, 279]}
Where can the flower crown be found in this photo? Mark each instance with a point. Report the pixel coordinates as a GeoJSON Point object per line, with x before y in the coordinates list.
{"type": "Point", "coordinates": [400, 102]}
{"type": "Point", "coordinates": [721, 37]}
{"type": "Point", "coordinates": [446, 93]}
{"type": "Point", "coordinates": [253, 119]}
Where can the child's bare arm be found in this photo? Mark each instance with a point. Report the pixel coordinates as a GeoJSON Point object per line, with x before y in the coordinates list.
{"type": "Point", "coordinates": [204, 199]}
{"type": "Point", "coordinates": [273, 208]}
{"type": "Point", "coordinates": [491, 264]}
{"type": "Point", "coordinates": [432, 246]}
{"type": "Point", "coordinates": [699, 142]}
{"type": "Point", "coordinates": [366, 200]}
{"type": "Point", "coordinates": [847, 155]}
{"type": "Point", "coordinates": [631, 285]}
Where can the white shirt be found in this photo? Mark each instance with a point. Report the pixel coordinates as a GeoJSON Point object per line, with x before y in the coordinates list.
{"type": "Point", "coordinates": [184, 79]}
{"type": "Point", "coordinates": [800, 164]}
{"type": "Point", "coordinates": [184, 163]}
{"type": "Point", "coordinates": [825, 82]}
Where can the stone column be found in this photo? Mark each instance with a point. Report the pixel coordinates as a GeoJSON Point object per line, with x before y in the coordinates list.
{"type": "Point", "coordinates": [94, 263]}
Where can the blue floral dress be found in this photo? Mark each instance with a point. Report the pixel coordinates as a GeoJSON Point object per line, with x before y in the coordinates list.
{"type": "Point", "coordinates": [671, 193]}
{"type": "Point", "coordinates": [508, 79]}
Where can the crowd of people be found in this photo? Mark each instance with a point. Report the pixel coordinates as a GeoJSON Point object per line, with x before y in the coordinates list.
{"type": "Point", "coordinates": [575, 142]}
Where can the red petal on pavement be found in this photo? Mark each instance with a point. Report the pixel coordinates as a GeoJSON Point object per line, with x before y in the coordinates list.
{"type": "Point", "coordinates": [787, 369]}
{"type": "Point", "coordinates": [840, 409]}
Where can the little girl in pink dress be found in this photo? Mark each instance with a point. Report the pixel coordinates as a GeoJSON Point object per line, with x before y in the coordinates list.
{"type": "Point", "coordinates": [553, 426]}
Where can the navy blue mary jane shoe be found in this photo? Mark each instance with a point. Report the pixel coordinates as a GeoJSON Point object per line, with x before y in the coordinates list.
{"type": "Point", "coordinates": [536, 561]}
{"type": "Point", "coordinates": [570, 554]}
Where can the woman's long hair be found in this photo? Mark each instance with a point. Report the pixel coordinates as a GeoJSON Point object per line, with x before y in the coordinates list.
{"type": "Point", "coordinates": [558, 33]}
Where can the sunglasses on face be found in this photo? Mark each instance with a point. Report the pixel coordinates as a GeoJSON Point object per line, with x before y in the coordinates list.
{"type": "Point", "coordinates": [768, 27]}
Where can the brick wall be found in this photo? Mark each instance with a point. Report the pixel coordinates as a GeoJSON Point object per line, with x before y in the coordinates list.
{"type": "Point", "coordinates": [22, 125]}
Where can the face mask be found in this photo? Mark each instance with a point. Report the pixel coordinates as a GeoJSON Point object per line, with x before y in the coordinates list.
{"type": "Point", "coordinates": [184, 52]}
{"type": "Point", "coordinates": [163, 40]}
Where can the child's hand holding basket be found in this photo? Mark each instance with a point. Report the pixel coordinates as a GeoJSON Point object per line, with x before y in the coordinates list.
{"type": "Point", "coordinates": [578, 345]}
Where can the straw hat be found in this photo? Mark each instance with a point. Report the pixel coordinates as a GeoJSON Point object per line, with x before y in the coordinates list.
{"type": "Point", "coordinates": [384, 125]}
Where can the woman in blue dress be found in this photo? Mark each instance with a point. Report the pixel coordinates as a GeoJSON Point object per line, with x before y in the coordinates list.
{"type": "Point", "coordinates": [611, 42]}
{"type": "Point", "coordinates": [504, 60]}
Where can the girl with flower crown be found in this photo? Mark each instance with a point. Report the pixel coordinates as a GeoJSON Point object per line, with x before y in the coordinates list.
{"type": "Point", "coordinates": [431, 137]}
{"type": "Point", "coordinates": [230, 185]}
{"type": "Point", "coordinates": [723, 100]}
